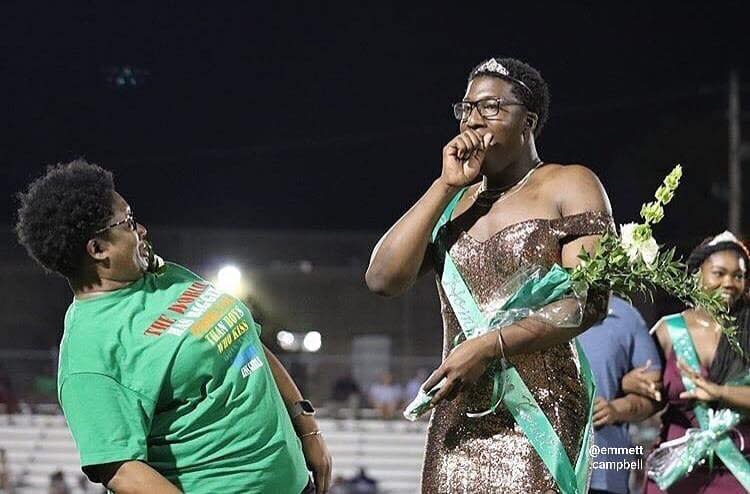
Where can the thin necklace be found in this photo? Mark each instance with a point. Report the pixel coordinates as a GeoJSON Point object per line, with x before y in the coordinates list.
{"type": "Point", "coordinates": [707, 326]}
{"type": "Point", "coordinates": [488, 197]}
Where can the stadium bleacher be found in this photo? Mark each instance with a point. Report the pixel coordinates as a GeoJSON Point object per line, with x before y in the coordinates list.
{"type": "Point", "coordinates": [390, 451]}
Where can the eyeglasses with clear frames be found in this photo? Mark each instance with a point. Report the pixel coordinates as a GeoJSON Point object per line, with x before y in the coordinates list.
{"type": "Point", "coordinates": [487, 107]}
{"type": "Point", "coordinates": [129, 220]}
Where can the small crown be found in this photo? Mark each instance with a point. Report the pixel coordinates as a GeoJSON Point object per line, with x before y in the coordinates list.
{"type": "Point", "coordinates": [493, 65]}
{"type": "Point", "coordinates": [726, 236]}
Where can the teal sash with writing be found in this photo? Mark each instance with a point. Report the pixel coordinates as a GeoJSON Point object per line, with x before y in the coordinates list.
{"type": "Point", "coordinates": [510, 389]}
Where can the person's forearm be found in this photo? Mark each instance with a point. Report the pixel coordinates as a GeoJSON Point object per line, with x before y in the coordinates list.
{"type": "Point", "coordinates": [737, 397]}
{"type": "Point", "coordinates": [634, 408]}
{"type": "Point", "coordinates": [137, 477]}
{"type": "Point", "coordinates": [629, 386]}
{"type": "Point", "coordinates": [289, 393]}
{"type": "Point", "coordinates": [398, 256]}
{"type": "Point", "coordinates": [533, 335]}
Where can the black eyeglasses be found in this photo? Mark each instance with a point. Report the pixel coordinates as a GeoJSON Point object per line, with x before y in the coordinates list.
{"type": "Point", "coordinates": [487, 107]}
{"type": "Point", "coordinates": [129, 220]}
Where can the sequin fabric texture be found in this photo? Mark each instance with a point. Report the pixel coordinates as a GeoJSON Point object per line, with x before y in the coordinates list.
{"type": "Point", "coordinates": [491, 454]}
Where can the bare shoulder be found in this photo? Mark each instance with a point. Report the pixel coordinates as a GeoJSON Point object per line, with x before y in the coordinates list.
{"type": "Point", "coordinates": [575, 189]}
{"type": "Point", "coordinates": [573, 174]}
{"type": "Point", "coordinates": [662, 335]}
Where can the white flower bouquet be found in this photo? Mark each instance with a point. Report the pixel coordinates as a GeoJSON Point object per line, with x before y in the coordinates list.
{"type": "Point", "coordinates": [634, 262]}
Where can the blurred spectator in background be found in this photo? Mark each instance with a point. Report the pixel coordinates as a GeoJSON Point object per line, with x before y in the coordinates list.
{"type": "Point", "coordinates": [8, 400]}
{"type": "Point", "coordinates": [362, 484]}
{"type": "Point", "coordinates": [57, 483]}
{"type": "Point", "coordinates": [345, 393]}
{"type": "Point", "coordinates": [84, 485]}
{"type": "Point", "coordinates": [385, 396]}
{"type": "Point", "coordinates": [614, 347]}
{"type": "Point", "coordinates": [412, 387]}
{"type": "Point", "coordinates": [5, 480]}
{"type": "Point", "coordinates": [339, 486]}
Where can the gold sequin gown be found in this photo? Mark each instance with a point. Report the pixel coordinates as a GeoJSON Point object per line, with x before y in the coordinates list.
{"type": "Point", "coordinates": [491, 454]}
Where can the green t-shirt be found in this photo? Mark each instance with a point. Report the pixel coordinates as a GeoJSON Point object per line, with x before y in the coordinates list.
{"type": "Point", "coordinates": [172, 372]}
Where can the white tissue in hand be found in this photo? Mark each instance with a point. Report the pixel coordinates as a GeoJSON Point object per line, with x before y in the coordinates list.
{"type": "Point", "coordinates": [421, 403]}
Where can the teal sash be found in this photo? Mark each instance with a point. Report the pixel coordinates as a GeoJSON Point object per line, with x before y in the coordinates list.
{"type": "Point", "coordinates": [682, 346]}
{"type": "Point", "coordinates": [510, 389]}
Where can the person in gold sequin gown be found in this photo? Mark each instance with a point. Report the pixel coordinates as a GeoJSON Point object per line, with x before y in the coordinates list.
{"type": "Point", "coordinates": [515, 212]}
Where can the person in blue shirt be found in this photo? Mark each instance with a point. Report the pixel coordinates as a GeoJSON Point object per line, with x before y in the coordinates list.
{"type": "Point", "coordinates": [615, 346]}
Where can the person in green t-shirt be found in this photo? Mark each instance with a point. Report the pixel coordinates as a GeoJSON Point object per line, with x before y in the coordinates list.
{"type": "Point", "coordinates": [163, 379]}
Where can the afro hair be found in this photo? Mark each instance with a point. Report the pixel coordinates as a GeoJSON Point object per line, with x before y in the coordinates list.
{"type": "Point", "coordinates": [61, 211]}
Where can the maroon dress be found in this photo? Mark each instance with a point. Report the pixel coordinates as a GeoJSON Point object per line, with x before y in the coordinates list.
{"type": "Point", "coordinates": [675, 421]}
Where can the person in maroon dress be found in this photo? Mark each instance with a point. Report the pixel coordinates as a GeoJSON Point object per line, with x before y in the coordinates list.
{"type": "Point", "coordinates": [722, 262]}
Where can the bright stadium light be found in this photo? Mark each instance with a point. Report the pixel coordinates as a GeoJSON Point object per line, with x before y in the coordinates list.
{"type": "Point", "coordinates": [286, 340]}
{"type": "Point", "coordinates": [312, 341]}
{"type": "Point", "coordinates": [229, 280]}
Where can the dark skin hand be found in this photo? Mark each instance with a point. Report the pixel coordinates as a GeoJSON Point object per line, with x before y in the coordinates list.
{"type": "Point", "coordinates": [628, 408]}
{"type": "Point", "coordinates": [737, 397]}
{"type": "Point", "coordinates": [643, 382]}
{"type": "Point", "coordinates": [705, 390]}
{"type": "Point", "coordinates": [606, 412]}
{"type": "Point", "coordinates": [501, 160]}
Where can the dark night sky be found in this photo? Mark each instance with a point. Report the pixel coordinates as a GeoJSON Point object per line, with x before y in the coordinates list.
{"type": "Point", "coordinates": [328, 117]}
